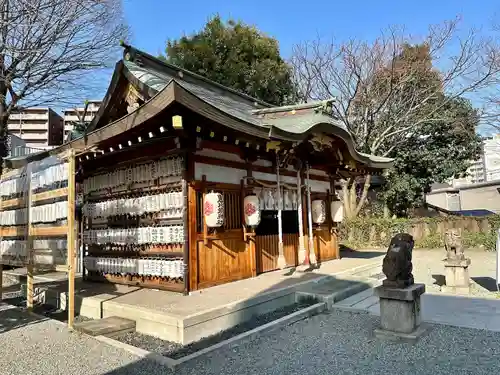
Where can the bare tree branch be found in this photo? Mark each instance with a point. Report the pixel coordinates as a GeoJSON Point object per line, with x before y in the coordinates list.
{"type": "Point", "coordinates": [48, 49]}
{"type": "Point", "coordinates": [377, 94]}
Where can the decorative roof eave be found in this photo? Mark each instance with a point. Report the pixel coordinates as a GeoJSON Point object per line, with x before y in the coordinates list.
{"type": "Point", "coordinates": [324, 124]}
{"type": "Point", "coordinates": [275, 128]}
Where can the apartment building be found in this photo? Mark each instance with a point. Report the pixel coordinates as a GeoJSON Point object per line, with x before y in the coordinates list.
{"type": "Point", "coordinates": [41, 128]}
{"type": "Point", "coordinates": [71, 115]}
{"type": "Point", "coordinates": [486, 168]}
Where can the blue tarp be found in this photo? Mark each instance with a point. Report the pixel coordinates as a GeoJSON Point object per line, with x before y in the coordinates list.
{"type": "Point", "coordinates": [473, 213]}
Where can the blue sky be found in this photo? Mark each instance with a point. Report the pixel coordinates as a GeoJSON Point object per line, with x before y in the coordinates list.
{"type": "Point", "coordinates": [154, 21]}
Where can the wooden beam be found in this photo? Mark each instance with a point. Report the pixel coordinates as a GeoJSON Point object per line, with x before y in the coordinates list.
{"type": "Point", "coordinates": [11, 173]}
{"type": "Point", "coordinates": [256, 168]}
{"type": "Point", "coordinates": [62, 230]}
{"type": "Point", "coordinates": [71, 242]}
{"type": "Point", "coordinates": [17, 231]}
{"type": "Point", "coordinates": [51, 194]}
{"type": "Point", "coordinates": [12, 203]}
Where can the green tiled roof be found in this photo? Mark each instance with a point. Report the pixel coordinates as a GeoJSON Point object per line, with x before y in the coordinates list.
{"type": "Point", "coordinates": [279, 122]}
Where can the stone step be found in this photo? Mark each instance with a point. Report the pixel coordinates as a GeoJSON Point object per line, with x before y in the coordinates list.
{"type": "Point", "coordinates": [109, 326]}
{"type": "Point", "coordinates": [370, 271]}
{"type": "Point", "coordinates": [356, 298]}
{"type": "Point", "coordinates": [333, 290]}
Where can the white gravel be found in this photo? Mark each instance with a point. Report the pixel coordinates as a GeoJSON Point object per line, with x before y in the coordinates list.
{"type": "Point", "coordinates": [343, 343]}
{"type": "Point", "coordinates": [35, 346]}
{"type": "Point", "coordinates": [336, 342]}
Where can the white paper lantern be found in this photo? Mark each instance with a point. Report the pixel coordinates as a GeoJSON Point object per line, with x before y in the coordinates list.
{"type": "Point", "coordinates": [252, 210]}
{"type": "Point", "coordinates": [213, 209]}
{"type": "Point", "coordinates": [318, 211]}
{"type": "Point", "coordinates": [337, 211]}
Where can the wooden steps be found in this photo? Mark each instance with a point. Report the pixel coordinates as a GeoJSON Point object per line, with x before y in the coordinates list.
{"type": "Point", "coordinates": [110, 326]}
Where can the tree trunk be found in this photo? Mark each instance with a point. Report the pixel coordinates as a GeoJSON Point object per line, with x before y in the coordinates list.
{"type": "Point", "coordinates": [386, 211]}
{"type": "Point", "coordinates": [352, 205]}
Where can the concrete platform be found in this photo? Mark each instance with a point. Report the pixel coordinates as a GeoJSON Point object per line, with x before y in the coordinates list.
{"type": "Point", "coordinates": [109, 327]}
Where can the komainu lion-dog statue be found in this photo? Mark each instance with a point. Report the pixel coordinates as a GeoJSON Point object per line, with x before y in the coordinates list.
{"type": "Point", "coordinates": [397, 265]}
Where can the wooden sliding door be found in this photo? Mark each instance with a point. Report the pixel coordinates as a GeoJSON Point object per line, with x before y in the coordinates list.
{"type": "Point", "coordinates": [225, 256]}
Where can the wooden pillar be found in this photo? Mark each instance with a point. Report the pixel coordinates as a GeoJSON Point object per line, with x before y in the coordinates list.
{"type": "Point", "coordinates": [204, 223]}
{"type": "Point", "coordinates": [281, 255]}
{"type": "Point", "coordinates": [71, 242]}
{"type": "Point", "coordinates": [191, 229]}
{"type": "Point", "coordinates": [1, 282]}
{"type": "Point", "coordinates": [333, 226]}
{"type": "Point", "coordinates": [185, 216]}
{"type": "Point", "coordinates": [248, 233]}
{"type": "Point", "coordinates": [302, 254]}
{"type": "Point", "coordinates": [30, 288]}
{"type": "Point", "coordinates": [193, 243]}
{"type": "Point", "coordinates": [312, 254]}
{"type": "Point", "coordinates": [304, 215]}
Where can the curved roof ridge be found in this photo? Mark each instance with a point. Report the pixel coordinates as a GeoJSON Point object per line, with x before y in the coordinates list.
{"type": "Point", "coordinates": [285, 108]}
{"type": "Point", "coordinates": [130, 48]}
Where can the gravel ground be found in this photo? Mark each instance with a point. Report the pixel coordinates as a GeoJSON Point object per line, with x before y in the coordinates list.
{"type": "Point", "coordinates": [175, 350]}
{"type": "Point", "coordinates": [35, 346]}
{"type": "Point", "coordinates": [45, 310]}
{"type": "Point", "coordinates": [343, 342]}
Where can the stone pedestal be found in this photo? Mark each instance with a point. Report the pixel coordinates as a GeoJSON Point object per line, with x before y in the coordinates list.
{"type": "Point", "coordinates": [456, 276]}
{"type": "Point", "coordinates": [400, 315]}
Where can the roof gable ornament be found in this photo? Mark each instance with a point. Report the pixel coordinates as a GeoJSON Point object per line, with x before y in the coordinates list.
{"type": "Point", "coordinates": [325, 107]}
{"type": "Point", "coordinates": [321, 141]}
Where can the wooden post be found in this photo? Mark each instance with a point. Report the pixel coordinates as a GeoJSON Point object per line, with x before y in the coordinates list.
{"type": "Point", "coordinates": [193, 242]}
{"type": "Point", "coordinates": [312, 255]}
{"type": "Point", "coordinates": [204, 192]}
{"type": "Point", "coordinates": [71, 242]}
{"type": "Point", "coordinates": [302, 246]}
{"type": "Point", "coordinates": [30, 288]}
{"type": "Point", "coordinates": [281, 256]}
{"type": "Point", "coordinates": [186, 234]}
{"type": "Point", "coordinates": [334, 227]}
{"type": "Point", "coordinates": [248, 235]}
{"type": "Point", "coordinates": [1, 282]}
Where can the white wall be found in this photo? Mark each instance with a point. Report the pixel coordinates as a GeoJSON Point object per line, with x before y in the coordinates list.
{"type": "Point", "coordinates": [215, 173]}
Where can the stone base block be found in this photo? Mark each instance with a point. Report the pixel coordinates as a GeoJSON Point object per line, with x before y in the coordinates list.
{"type": "Point", "coordinates": [400, 308]}
{"type": "Point", "coordinates": [457, 275]}
{"type": "Point", "coordinates": [411, 337]}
